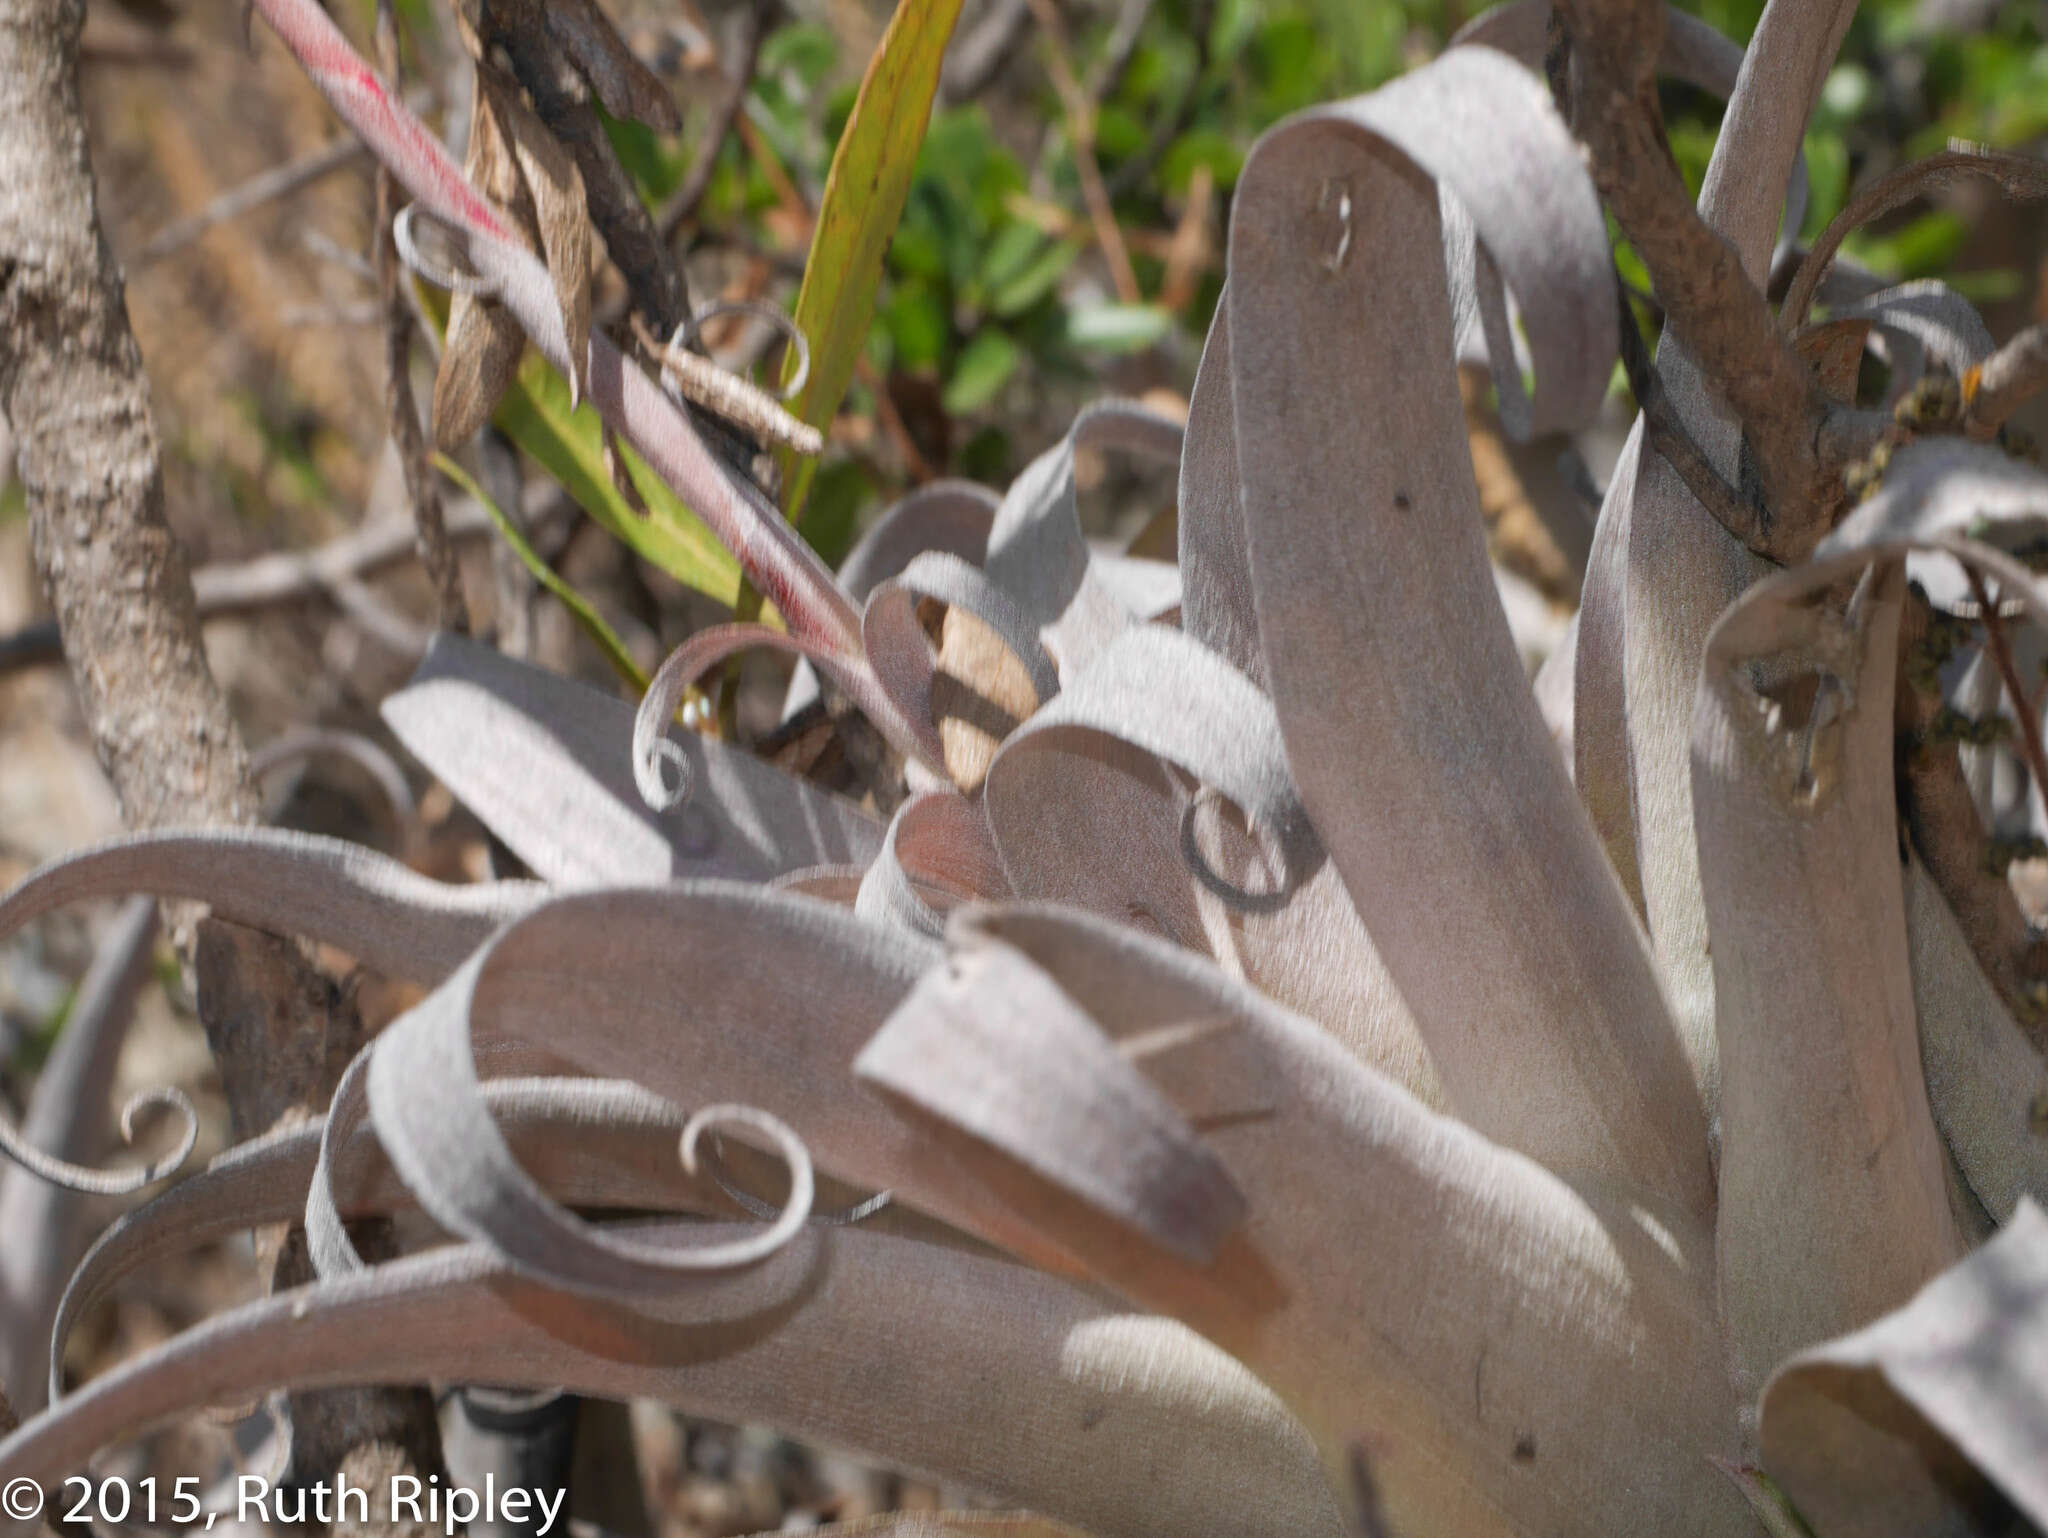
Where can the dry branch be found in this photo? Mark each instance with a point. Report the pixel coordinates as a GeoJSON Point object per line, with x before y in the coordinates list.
{"type": "Point", "coordinates": [697, 180]}
{"type": "Point", "coordinates": [1697, 274]}
{"type": "Point", "coordinates": [264, 187]}
{"type": "Point", "coordinates": [422, 490]}
{"type": "Point", "coordinates": [334, 569]}
{"type": "Point", "coordinates": [73, 389]}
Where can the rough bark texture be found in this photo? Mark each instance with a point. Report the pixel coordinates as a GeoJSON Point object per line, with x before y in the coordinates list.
{"type": "Point", "coordinates": [7, 1420]}
{"type": "Point", "coordinates": [73, 389]}
{"type": "Point", "coordinates": [1708, 299]}
{"type": "Point", "coordinates": [72, 386]}
{"type": "Point", "coordinates": [1941, 818]}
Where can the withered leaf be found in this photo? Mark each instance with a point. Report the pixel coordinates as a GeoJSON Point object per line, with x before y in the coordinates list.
{"type": "Point", "coordinates": [627, 87]}
{"type": "Point", "coordinates": [554, 193]}
{"type": "Point", "coordinates": [481, 351]}
{"type": "Point", "coordinates": [478, 361]}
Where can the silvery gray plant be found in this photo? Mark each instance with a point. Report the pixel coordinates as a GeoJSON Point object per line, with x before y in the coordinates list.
{"type": "Point", "coordinates": [1307, 1101]}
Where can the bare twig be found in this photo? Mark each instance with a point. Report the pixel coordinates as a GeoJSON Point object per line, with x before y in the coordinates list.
{"type": "Point", "coordinates": [264, 187]}
{"type": "Point", "coordinates": [2016, 175]}
{"type": "Point", "coordinates": [2009, 675]}
{"type": "Point", "coordinates": [738, 81]}
{"type": "Point", "coordinates": [1942, 819]}
{"type": "Point", "coordinates": [1123, 43]}
{"type": "Point", "coordinates": [315, 316]}
{"type": "Point", "coordinates": [267, 580]}
{"type": "Point", "coordinates": [1697, 274]}
{"type": "Point", "coordinates": [2005, 381]}
{"type": "Point", "coordinates": [422, 491]}
{"type": "Point", "coordinates": [1081, 137]}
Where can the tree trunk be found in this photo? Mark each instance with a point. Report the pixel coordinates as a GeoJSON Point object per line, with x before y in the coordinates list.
{"type": "Point", "coordinates": [73, 389]}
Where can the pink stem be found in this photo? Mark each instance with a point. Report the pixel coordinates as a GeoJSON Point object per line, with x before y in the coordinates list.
{"type": "Point", "coordinates": [778, 562]}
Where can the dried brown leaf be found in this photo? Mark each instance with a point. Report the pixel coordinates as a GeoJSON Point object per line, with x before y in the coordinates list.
{"type": "Point", "coordinates": [479, 359]}
{"type": "Point", "coordinates": [627, 87]}
{"type": "Point", "coordinates": [561, 216]}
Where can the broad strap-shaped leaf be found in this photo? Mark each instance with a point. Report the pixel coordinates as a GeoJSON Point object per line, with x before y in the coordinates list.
{"type": "Point", "coordinates": [1948, 486]}
{"type": "Point", "coordinates": [1982, 1070]}
{"type": "Point", "coordinates": [857, 216]}
{"type": "Point", "coordinates": [1683, 569]}
{"type": "Point", "coordinates": [1133, 1425]}
{"type": "Point", "coordinates": [1985, 1081]}
{"type": "Point", "coordinates": [1087, 807]}
{"type": "Point", "coordinates": [544, 762]}
{"type": "Point", "coordinates": [702, 992]}
{"type": "Point", "coordinates": [938, 853]}
{"type": "Point", "coordinates": [569, 443]}
{"type": "Point", "coordinates": [388, 917]}
{"type": "Point", "coordinates": [1386, 1278]}
{"type": "Point", "coordinates": [1600, 737]}
{"type": "Point", "coordinates": [1036, 552]}
{"type": "Point", "coordinates": [947, 516]}
{"type": "Point", "coordinates": [988, 1047]}
{"type": "Point", "coordinates": [1217, 608]}
{"type": "Point", "coordinates": [592, 1143]}
{"type": "Point", "coordinates": [1432, 779]}
{"type": "Point", "coordinates": [1013, 668]}
{"type": "Point", "coordinates": [1895, 1429]}
{"type": "Point", "coordinates": [1919, 324]}
{"type": "Point", "coordinates": [1833, 1205]}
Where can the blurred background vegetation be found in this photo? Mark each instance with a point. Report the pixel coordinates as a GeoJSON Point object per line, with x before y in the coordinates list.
{"type": "Point", "coordinates": [1003, 307]}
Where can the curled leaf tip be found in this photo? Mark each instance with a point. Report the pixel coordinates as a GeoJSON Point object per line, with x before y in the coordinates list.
{"type": "Point", "coordinates": [92, 1182]}
{"type": "Point", "coordinates": [803, 1188]}
{"type": "Point", "coordinates": [663, 775]}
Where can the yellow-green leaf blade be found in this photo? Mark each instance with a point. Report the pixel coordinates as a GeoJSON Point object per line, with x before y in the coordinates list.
{"type": "Point", "coordinates": [864, 196]}
{"type": "Point", "coordinates": [585, 612]}
{"type": "Point", "coordinates": [535, 414]}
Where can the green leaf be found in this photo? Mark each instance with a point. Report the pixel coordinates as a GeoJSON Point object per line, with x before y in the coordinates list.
{"type": "Point", "coordinates": [1035, 281]}
{"type": "Point", "coordinates": [534, 413]}
{"type": "Point", "coordinates": [1118, 328]}
{"type": "Point", "coordinates": [985, 366]}
{"type": "Point", "coordinates": [585, 612]}
{"type": "Point", "coordinates": [1010, 253]}
{"type": "Point", "coordinates": [864, 196]}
